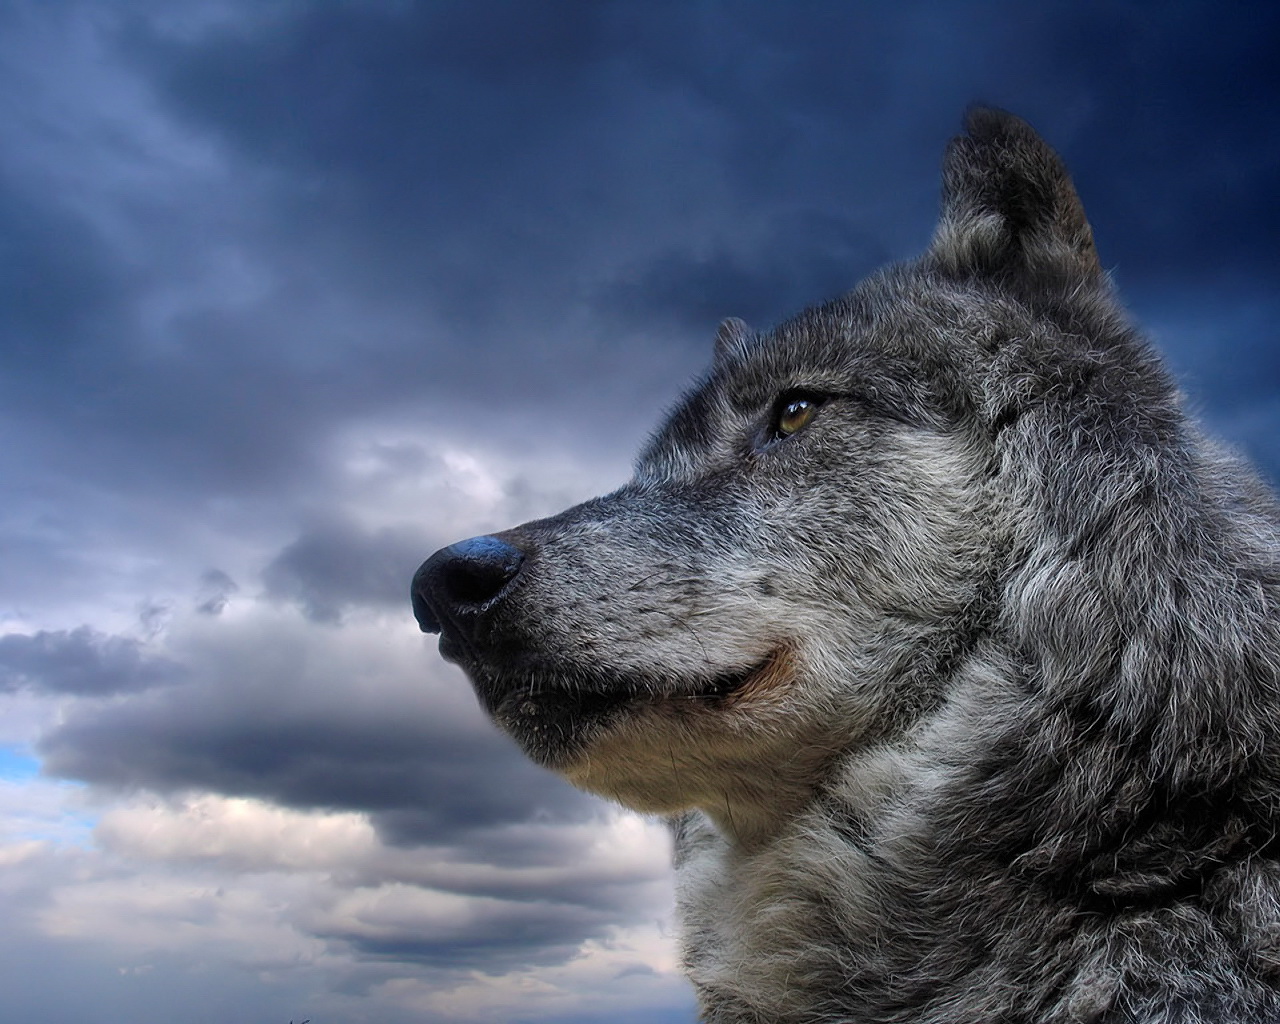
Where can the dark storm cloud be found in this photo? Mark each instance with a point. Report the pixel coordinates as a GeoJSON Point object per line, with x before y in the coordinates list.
{"type": "Point", "coordinates": [479, 153]}
{"type": "Point", "coordinates": [496, 938]}
{"type": "Point", "coordinates": [445, 203]}
{"type": "Point", "coordinates": [1178, 144]}
{"type": "Point", "coordinates": [442, 783]}
{"type": "Point", "coordinates": [273, 721]}
{"type": "Point", "coordinates": [57, 277]}
{"type": "Point", "coordinates": [472, 102]}
{"type": "Point", "coordinates": [83, 662]}
{"type": "Point", "coordinates": [335, 566]}
{"type": "Point", "coordinates": [521, 840]}
{"type": "Point", "coordinates": [471, 165]}
{"type": "Point", "coordinates": [215, 590]}
{"type": "Point", "coordinates": [803, 258]}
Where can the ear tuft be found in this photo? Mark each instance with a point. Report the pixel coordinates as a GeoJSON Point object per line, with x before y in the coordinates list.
{"type": "Point", "coordinates": [1008, 205]}
{"type": "Point", "coordinates": [733, 339]}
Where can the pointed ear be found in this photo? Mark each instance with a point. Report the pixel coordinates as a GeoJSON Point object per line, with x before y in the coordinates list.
{"type": "Point", "coordinates": [733, 339]}
{"type": "Point", "coordinates": [1008, 206]}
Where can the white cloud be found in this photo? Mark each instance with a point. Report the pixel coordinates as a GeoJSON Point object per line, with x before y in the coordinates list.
{"type": "Point", "coordinates": [241, 835]}
{"type": "Point", "coordinates": [42, 810]}
{"type": "Point", "coordinates": [305, 900]}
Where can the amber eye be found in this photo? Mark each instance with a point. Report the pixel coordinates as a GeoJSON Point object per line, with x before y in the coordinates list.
{"type": "Point", "coordinates": [793, 414]}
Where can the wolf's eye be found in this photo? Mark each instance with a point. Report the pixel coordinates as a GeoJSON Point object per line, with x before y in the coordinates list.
{"type": "Point", "coordinates": [793, 413]}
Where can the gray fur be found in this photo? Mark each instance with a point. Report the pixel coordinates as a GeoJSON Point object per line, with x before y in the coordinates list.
{"type": "Point", "coordinates": [963, 697]}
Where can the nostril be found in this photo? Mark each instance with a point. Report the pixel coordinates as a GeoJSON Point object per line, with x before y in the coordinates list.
{"type": "Point", "coordinates": [476, 570]}
{"type": "Point", "coordinates": [476, 582]}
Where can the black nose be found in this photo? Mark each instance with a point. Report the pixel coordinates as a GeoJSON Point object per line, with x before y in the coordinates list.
{"type": "Point", "coordinates": [455, 581]}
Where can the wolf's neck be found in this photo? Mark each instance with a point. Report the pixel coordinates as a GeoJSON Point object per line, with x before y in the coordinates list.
{"type": "Point", "coordinates": [760, 801]}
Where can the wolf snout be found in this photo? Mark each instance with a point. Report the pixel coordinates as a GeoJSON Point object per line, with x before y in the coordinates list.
{"type": "Point", "coordinates": [453, 585]}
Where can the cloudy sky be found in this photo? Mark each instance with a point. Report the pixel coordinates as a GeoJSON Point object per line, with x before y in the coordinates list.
{"type": "Point", "coordinates": [293, 292]}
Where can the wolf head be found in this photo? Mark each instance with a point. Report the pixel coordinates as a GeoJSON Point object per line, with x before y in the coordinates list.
{"type": "Point", "coordinates": [969, 459]}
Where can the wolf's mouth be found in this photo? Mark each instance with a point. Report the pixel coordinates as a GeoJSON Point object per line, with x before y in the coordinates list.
{"type": "Point", "coordinates": [594, 697]}
{"type": "Point", "coordinates": [553, 719]}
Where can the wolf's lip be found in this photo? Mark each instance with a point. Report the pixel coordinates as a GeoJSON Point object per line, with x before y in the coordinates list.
{"type": "Point", "coordinates": [730, 683]}
{"type": "Point", "coordinates": [589, 703]}
{"type": "Point", "coordinates": [733, 687]}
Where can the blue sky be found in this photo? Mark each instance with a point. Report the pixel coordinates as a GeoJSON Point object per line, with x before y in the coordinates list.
{"type": "Point", "coordinates": [17, 765]}
{"type": "Point", "coordinates": [291, 293]}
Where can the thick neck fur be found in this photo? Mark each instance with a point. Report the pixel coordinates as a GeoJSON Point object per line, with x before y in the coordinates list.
{"type": "Point", "coordinates": [896, 896]}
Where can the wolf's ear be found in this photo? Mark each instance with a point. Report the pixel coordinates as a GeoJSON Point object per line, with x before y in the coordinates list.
{"type": "Point", "coordinates": [1008, 205]}
{"type": "Point", "coordinates": [733, 338]}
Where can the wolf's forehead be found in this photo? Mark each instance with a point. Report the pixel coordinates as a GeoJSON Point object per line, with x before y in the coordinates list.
{"type": "Point", "coordinates": [874, 339]}
{"type": "Point", "coordinates": [821, 358]}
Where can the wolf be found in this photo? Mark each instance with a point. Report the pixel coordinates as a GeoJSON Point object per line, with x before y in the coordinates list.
{"type": "Point", "coordinates": [945, 639]}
